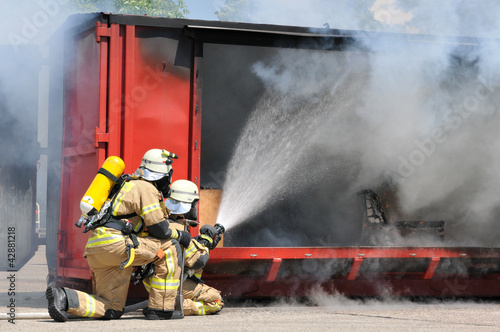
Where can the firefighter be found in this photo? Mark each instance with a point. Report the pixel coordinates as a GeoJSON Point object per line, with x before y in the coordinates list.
{"type": "Point", "coordinates": [121, 242]}
{"type": "Point", "coordinates": [199, 299]}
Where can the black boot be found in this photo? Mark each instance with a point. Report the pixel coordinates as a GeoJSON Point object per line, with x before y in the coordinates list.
{"type": "Point", "coordinates": [153, 314]}
{"type": "Point", "coordinates": [221, 304]}
{"type": "Point", "coordinates": [58, 303]}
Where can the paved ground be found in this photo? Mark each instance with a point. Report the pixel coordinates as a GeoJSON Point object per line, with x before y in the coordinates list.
{"type": "Point", "coordinates": [333, 313]}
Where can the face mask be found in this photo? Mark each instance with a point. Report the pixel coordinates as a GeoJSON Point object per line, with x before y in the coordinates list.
{"type": "Point", "coordinates": [177, 207]}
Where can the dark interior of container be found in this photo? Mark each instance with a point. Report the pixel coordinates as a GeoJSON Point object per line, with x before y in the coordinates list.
{"type": "Point", "coordinates": [311, 217]}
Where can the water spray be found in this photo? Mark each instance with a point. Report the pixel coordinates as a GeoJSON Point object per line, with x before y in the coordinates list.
{"type": "Point", "coordinates": [271, 160]}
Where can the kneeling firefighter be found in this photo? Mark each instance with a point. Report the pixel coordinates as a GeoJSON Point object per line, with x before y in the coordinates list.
{"type": "Point", "coordinates": [199, 299]}
{"type": "Point", "coordinates": [119, 240]}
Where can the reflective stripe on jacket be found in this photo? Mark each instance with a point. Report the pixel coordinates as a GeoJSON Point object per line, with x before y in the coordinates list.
{"type": "Point", "coordinates": [103, 236]}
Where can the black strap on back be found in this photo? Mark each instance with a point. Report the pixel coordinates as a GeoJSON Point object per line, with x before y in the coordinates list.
{"type": "Point", "coordinates": [108, 174]}
{"type": "Point", "coordinates": [125, 227]}
{"type": "Point", "coordinates": [112, 195]}
{"type": "Point", "coordinates": [116, 222]}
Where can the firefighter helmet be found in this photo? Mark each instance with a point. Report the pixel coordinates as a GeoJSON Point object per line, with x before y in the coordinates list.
{"type": "Point", "coordinates": [183, 194]}
{"type": "Point", "coordinates": [184, 191]}
{"type": "Point", "coordinates": [155, 164]}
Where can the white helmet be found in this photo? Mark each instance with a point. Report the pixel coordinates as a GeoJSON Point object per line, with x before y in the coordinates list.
{"type": "Point", "coordinates": [183, 194]}
{"type": "Point", "coordinates": [155, 164]}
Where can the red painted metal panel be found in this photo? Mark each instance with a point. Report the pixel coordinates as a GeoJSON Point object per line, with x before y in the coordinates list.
{"type": "Point", "coordinates": [266, 253]}
{"type": "Point", "coordinates": [273, 269]}
{"type": "Point", "coordinates": [195, 113]}
{"type": "Point", "coordinates": [129, 84]}
{"type": "Point", "coordinates": [238, 271]}
{"type": "Point", "coordinates": [79, 157]}
{"type": "Point", "coordinates": [356, 264]}
{"type": "Point", "coordinates": [115, 86]}
{"type": "Point", "coordinates": [125, 95]}
{"type": "Point", "coordinates": [156, 100]}
{"type": "Point", "coordinates": [432, 267]}
{"type": "Point", "coordinates": [295, 287]}
{"type": "Point", "coordinates": [103, 92]}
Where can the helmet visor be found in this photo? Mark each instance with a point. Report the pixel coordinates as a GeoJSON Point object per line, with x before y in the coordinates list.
{"type": "Point", "coordinates": [177, 207]}
{"type": "Point", "coordinates": [146, 174]}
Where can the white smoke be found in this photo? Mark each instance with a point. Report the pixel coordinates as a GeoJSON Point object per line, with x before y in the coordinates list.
{"type": "Point", "coordinates": [425, 114]}
{"type": "Point", "coordinates": [273, 147]}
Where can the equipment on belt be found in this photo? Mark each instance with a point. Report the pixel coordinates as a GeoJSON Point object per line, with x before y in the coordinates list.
{"type": "Point", "coordinates": [100, 188]}
{"type": "Point", "coordinates": [130, 251]}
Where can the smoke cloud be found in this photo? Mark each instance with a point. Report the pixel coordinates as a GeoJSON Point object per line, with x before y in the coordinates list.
{"type": "Point", "coordinates": [418, 114]}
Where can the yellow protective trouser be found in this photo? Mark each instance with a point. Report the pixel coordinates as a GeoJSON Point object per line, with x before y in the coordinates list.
{"type": "Point", "coordinates": [111, 283]}
{"type": "Point", "coordinates": [165, 280]}
{"type": "Point", "coordinates": [200, 299]}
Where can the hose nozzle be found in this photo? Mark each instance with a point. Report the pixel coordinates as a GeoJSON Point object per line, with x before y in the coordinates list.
{"type": "Point", "coordinates": [220, 229]}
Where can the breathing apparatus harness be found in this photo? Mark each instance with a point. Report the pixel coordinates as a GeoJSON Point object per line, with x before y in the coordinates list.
{"type": "Point", "coordinates": [106, 218]}
{"type": "Point", "coordinates": [97, 203]}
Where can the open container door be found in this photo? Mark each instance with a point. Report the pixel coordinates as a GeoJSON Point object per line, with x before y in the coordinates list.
{"type": "Point", "coordinates": [81, 154]}
{"type": "Point", "coordinates": [127, 90]}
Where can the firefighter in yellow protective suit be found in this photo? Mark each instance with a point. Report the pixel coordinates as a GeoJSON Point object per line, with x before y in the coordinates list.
{"type": "Point", "coordinates": [199, 299]}
{"type": "Point", "coordinates": [110, 250]}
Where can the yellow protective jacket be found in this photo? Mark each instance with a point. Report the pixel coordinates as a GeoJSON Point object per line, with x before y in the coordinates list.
{"type": "Point", "coordinates": [197, 254]}
{"type": "Point", "coordinates": [141, 203]}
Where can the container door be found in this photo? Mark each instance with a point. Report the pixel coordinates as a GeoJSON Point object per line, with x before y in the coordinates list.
{"type": "Point", "coordinates": [128, 90]}
{"type": "Point", "coordinates": [81, 153]}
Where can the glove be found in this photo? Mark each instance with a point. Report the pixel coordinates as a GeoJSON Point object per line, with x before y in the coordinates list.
{"type": "Point", "coordinates": [184, 238]}
{"type": "Point", "coordinates": [203, 241]}
{"type": "Point", "coordinates": [209, 230]}
{"type": "Point", "coordinates": [209, 236]}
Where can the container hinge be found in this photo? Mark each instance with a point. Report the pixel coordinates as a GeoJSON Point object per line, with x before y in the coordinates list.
{"type": "Point", "coordinates": [100, 137]}
{"type": "Point", "coordinates": [101, 31]}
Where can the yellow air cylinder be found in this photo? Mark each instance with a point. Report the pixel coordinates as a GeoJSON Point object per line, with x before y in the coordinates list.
{"type": "Point", "coordinates": [101, 186]}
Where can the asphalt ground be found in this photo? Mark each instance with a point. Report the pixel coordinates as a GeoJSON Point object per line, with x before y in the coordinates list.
{"type": "Point", "coordinates": [327, 313]}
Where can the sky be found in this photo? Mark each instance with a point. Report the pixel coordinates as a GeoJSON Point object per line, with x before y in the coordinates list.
{"type": "Point", "coordinates": [202, 9]}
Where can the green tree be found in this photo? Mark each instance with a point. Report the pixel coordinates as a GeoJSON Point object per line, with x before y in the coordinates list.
{"type": "Point", "coordinates": [233, 10]}
{"type": "Point", "coordinates": [167, 8]}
